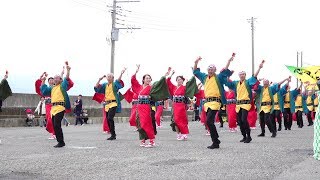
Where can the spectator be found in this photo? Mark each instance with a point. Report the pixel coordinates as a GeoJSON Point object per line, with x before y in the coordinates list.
{"type": "Point", "coordinates": [78, 110]}
{"type": "Point", "coordinates": [41, 110]}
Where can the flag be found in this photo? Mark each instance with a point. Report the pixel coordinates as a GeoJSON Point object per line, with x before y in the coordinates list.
{"type": "Point", "coordinates": [302, 74]}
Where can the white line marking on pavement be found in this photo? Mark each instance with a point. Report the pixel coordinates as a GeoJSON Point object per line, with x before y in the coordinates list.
{"type": "Point", "coordinates": [79, 147]}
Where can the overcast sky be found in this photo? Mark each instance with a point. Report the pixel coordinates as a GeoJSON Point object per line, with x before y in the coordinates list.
{"type": "Point", "coordinates": [39, 35]}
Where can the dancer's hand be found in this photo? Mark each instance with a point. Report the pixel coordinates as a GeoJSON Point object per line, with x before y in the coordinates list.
{"type": "Point", "coordinates": [197, 60]}
{"type": "Point", "coordinates": [261, 64]}
{"type": "Point", "coordinates": [138, 68]}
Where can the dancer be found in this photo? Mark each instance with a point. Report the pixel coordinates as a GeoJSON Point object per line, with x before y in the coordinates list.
{"type": "Point", "coordinates": [289, 105]}
{"type": "Point", "coordinates": [300, 107]}
{"type": "Point", "coordinates": [147, 92]}
{"type": "Point", "coordinates": [179, 105]}
{"type": "Point", "coordinates": [5, 90]}
{"type": "Point", "coordinates": [214, 94]}
{"type": "Point", "coordinates": [60, 103]}
{"type": "Point", "coordinates": [278, 108]}
{"type": "Point", "coordinates": [132, 98]}
{"type": "Point", "coordinates": [201, 98]}
{"type": "Point", "coordinates": [48, 106]}
{"type": "Point", "coordinates": [309, 98]}
{"type": "Point", "coordinates": [244, 98]}
{"type": "Point", "coordinates": [231, 110]}
{"type": "Point", "coordinates": [159, 111]}
{"type": "Point", "coordinates": [265, 105]}
{"type": "Point", "coordinates": [112, 100]}
{"type": "Point", "coordinates": [315, 105]}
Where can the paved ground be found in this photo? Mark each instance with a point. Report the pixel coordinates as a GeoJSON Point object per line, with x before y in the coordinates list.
{"type": "Point", "coordinates": [26, 153]}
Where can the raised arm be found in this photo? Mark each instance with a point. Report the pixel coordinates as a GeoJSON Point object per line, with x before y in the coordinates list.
{"type": "Point", "coordinates": [196, 63]}
{"type": "Point", "coordinates": [98, 83]}
{"type": "Point", "coordinates": [68, 71]}
{"type": "Point", "coordinates": [135, 85]}
{"type": "Point", "coordinates": [258, 71]}
{"type": "Point", "coordinates": [122, 72]}
{"type": "Point", "coordinates": [170, 85]}
{"type": "Point", "coordinates": [62, 72]}
{"type": "Point", "coordinates": [229, 61]}
{"type": "Point", "coordinates": [283, 81]}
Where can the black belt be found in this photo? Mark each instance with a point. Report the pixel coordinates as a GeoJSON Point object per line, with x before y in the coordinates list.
{"type": "Point", "coordinates": [298, 107]}
{"type": "Point", "coordinates": [111, 101]}
{"type": "Point", "coordinates": [243, 102]}
{"type": "Point", "coordinates": [178, 99]}
{"type": "Point", "coordinates": [213, 99]}
{"type": "Point", "coordinates": [144, 101]}
{"type": "Point", "coordinates": [160, 103]}
{"type": "Point", "coordinates": [266, 103]}
{"type": "Point", "coordinates": [135, 102]}
{"type": "Point", "coordinates": [287, 102]}
{"type": "Point", "coordinates": [47, 101]}
{"type": "Point", "coordinates": [310, 104]}
{"type": "Point", "coordinates": [276, 103]}
{"type": "Point", "coordinates": [315, 105]}
{"type": "Point", "coordinates": [58, 104]}
{"type": "Point", "coordinates": [231, 101]}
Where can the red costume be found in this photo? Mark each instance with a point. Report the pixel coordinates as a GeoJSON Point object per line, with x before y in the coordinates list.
{"type": "Point", "coordinates": [105, 127]}
{"type": "Point", "coordinates": [179, 106]}
{"type": "Point", "coordinates": [133, 115]}
{"type": "Point", "coordinates": [144, 110]}
{"type": "Point", "coordinates": [160, 107]}
{"type": "Point", "coordinates": [231, 109]}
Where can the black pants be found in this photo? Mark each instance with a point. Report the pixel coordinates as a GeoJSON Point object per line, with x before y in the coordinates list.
{"type": "Point", "coordinates": [287, 117]}
{"type": "Point", "coordinates": [211, 114]}
{"type": "Point", "coordinates": [78, 118]}
{"type": "Point", "coordinates": [265, 118]}
{"type": "Point", "coordinates": [56, 120]}
{"type": "Point", "coordinates": [222, 113]}
{"type": "Point", "coordinates": [299, 118]}
{"type": "Point", "coordinates": [309, 116]}
{"type": "Point", "coordinates": [0, 105]}
{"type": "Point", "coordinates": [196, 113]}
{"type": "Point", "coordinates": [110, 117]}
{"type": "Point", "coordinates": [276, 114]}
{"type": "Point", "coordinates": [153, 117]}
{"type": "Point", "coordinates": [242, 119]}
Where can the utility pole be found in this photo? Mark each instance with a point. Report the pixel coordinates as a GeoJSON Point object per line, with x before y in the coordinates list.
{"type": "Point", "coordinates": [115, 31]}
{"type": "Point", "coordinates": [297, 67]}
{"type": "Point", "coordinates": [251, 21]}
{"type": "Point", "coordinates": [301, 59]}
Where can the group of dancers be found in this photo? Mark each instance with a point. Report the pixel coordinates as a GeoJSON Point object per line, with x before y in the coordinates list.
{"type": "Point", "coordinates": [270, 101]}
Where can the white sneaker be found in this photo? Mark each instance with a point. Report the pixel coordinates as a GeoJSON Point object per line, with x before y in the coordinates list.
{"type": "Point", "coordinates": [179, 137]}
{"type": "Point", "coordinates": [52, 137]}
{"type": "Point", "coordinates": [207, 133]}
{"type": "Point", "coordinates": [184, 136]}
{"type": "Point", "coordinates": [143, 143]}
{"type": "Point", "coordinates": [151, 144]}
{"type": "Point", "coordinates": [0, 141]}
